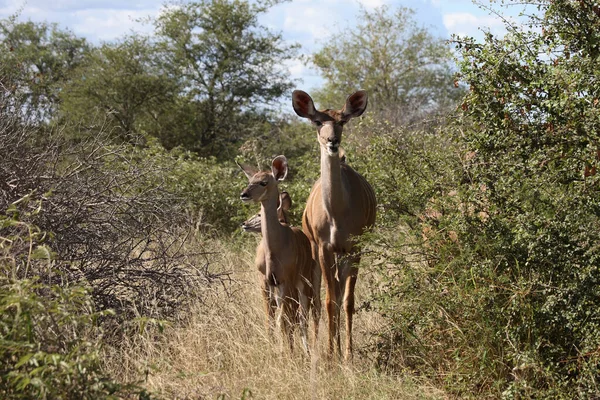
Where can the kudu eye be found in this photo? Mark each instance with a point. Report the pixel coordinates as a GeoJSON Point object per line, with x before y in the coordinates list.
{"type": "Point", "coordinates": [318, 123]}
{"type": "Point", "coordinates": [263, 183]}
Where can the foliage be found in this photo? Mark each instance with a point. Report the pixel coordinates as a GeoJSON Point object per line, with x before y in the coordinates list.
{"type": "Point", "coordinates": [205, 186]}
{"type": "Point", "coordinates": [42, 56]}
{"type": "Point", "coordinates": [405, 69]}
{"type": "Point", "coordinates": [228, 65]}
{"type": "Point", "coordinates": [406, 166]}
{"type": "Point", "coordinates": [536, 144]}
{"type": "Point", "coordinates": [49, 334]}
{"type": "Point", "coordinates": [209, 73]}
{"type": "Point", "coordinates": [113, 223]}
{"type": "Point", "coordinates": [121, 88]}
{"type": "Point", "coordinates": [493, 287]}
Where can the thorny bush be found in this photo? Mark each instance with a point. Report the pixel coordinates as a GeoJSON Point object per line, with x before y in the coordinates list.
{"type": "Point", "coordinates": [113, 226]}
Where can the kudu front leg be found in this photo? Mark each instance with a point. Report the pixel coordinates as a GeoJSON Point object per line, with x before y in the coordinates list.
{"type": "Point", "coordinates": [316, 287]}
{"type": "Point", "coordinates": [348, 276]}
{"type": "Point", "coordinates": [349, 309]}
{"type": "Point", "coordinates": [270, 308]}
{"type": "Point", "coordinates": [327, 262]}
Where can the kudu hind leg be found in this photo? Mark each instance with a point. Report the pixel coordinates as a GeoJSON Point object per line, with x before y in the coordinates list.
{"type": "Point", "coordinates": [303, 317]}
{"type": "Point", "coordinates": [286, 316]}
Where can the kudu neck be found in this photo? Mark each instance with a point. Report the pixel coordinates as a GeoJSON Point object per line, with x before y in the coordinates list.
{"type": "Point", "coordinates": [270, 226]}
{"type": "Point", "coordinates": [331, 182]}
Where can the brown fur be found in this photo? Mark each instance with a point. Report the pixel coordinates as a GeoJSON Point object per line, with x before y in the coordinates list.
{"type": "Point", "coordinates": [341, 205]}
{"type": "Point", "coordinates": [252, 224]}
{"type": "Point", "coordinates": [291, 277]}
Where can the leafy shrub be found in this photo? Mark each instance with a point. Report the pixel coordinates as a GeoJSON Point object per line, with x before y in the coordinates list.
{"type": "Point", "coordinates": [407, 166]}
{"type": "Point", "coordinates": [206, 188]}
{"type": "Point", "coordinates": [535, 141]}
{"type": "Point", "coordinates": [110, 217]}
{"type": "Point", "coordinates": [492, 286]}
{"type": "Point", "coordinates": [50, 337]}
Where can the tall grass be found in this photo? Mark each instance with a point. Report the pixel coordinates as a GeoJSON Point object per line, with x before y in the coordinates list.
{"type": "Point", "coordinates": [221, 349]}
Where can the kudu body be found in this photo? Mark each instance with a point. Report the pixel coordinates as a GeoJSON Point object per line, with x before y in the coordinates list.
{"type": "Point", "coordinates": [341, 206]}
{"type": "Point", "coordinates": [292, 279]}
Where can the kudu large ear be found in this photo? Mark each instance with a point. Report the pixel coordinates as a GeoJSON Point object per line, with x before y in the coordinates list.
{"type": "Point", "coordinates": [356, 104]}
{"type": "Point", "coordinates": [279, 167]}
{"type": "Point", "coordinates": [303, 104]}
{"type": "Point", "coordinates": [286, 201]}
{"type": "Point", "coordinates": [249, 170]}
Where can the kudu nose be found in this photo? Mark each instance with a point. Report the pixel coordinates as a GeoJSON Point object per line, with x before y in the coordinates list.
{"type": "Point", "coordinates": [245, 195]}
{"type": "Point", "coordinates": [333, 145]}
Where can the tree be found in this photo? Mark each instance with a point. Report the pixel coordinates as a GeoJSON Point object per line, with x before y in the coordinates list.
{"type": "Point", "coordinates": [123, 88]}
{"type": "Point", "coordinates": [491, 287]}
{"type": "Point", "coordinates": [42, 58]}
{"type": "Point", "coordinates": [229, 67]}
{"type": "Point", "coordinates": [534, 144]}
{"type": "Point", "coordinates": [402, 66]}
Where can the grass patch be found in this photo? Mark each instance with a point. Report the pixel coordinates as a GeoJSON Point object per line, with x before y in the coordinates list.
{"type": "Point", "coordinates": [221, 348]}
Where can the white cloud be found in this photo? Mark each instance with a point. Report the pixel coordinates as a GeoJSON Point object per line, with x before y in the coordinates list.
{"type": "Point", "coordinates": [74, 5]}
{"type": "Point", "coordinates": [310, 24]}
{"type": "Point", "coordinates": [109, 24]}
{"type": "Point", "coordinates": [296, 68]}
{"type": "Point", "coordinates": [468, 24]}
{"type": "Point", "coordinates": [370, 4]}
{"type": "Point", "coordinates": [313, 28]}
{"type": "Point", "coordinates": [94, 19]}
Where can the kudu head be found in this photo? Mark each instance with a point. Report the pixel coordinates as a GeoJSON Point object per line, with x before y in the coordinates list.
{"type": "Point", "coordinates": [262, 185]}
{"type": "Point", "coordinates": [329, 123]}
{"type": "Point", "coordinates": [284, 204]}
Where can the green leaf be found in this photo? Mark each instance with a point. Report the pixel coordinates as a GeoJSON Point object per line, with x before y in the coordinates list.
{"type": "Point", "coordinates": [23, 360]}
{"type": "Point", "coordinates": [42, 252]}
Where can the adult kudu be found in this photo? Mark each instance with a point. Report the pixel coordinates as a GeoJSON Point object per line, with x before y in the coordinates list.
{"type": "Point", "coordinates": [340, 207]}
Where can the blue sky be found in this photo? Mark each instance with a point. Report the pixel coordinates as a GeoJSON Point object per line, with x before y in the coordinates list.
{"type": "Point", "coordinates": [308, 22]}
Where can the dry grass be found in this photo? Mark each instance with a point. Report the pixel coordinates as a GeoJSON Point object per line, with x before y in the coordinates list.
{"type": "Point", "coordinates": [222, 351]}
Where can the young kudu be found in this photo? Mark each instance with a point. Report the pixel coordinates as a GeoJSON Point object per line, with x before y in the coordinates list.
{"type": "Point", "coordinates": [341, 206]}
{"type": "Point", "coordinates": [292, 279]}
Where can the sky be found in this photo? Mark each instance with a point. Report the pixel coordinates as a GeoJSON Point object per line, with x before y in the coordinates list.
{"type": "Point", "coordinates": [307, 22]}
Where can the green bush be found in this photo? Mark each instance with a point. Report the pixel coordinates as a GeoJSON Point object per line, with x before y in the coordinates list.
{"type": "Point", "coordinates": [50, 336]}
{"type": "Point", "coordinates": [492, 287]}
{"type": "Point", "coordinates": [535, 140]}
{"type": "Point", "coordinates": [405, 166]}
{"type": "Point", "coordinates": [113, 216]}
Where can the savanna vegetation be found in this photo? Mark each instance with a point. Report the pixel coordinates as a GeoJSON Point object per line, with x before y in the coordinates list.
{"type": "Point", "coordinates": [123, 270]}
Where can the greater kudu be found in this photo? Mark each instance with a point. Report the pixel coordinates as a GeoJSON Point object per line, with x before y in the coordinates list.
{"type": "Point", "coordinates": [291, 276]}
{"type": "Point", "coordinates": [340, 207]}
